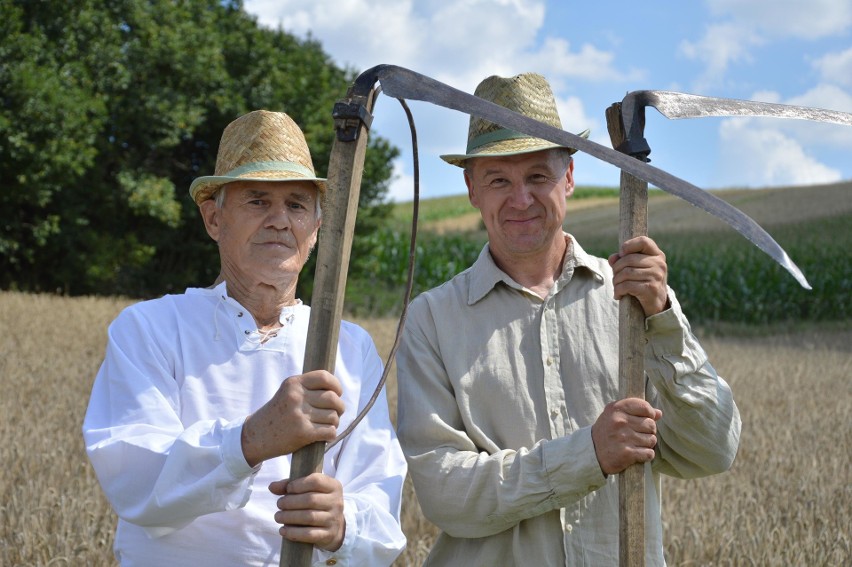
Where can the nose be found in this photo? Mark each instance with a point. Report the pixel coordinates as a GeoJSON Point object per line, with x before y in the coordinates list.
{"type": "Point", "coordinates": [278, 217]}
{"type": "Point", "coordinates": [521, 196]}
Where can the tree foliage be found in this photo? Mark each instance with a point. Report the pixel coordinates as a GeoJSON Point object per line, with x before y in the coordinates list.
{"type": "Point", "coordinates": [109, 109]}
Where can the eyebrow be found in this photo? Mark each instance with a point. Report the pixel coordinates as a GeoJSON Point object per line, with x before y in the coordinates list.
{"type": "Point", "coordinates": [535, 168]}
{"type": "Point", "coordinates": [299, 195]}
{"type": "Point", "coordinates": [492, 171]}
{"type": "Point", "coordinates": [303, 196]}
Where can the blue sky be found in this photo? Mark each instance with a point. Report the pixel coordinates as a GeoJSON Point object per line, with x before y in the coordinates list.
{"type": "Point", "coordinates": [593, 53]}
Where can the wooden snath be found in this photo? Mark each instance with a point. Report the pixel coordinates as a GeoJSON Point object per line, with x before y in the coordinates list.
{"type": "Point", "coordinates": [345, 169]}
{"type": "Point", "coordinates": [633, 222]}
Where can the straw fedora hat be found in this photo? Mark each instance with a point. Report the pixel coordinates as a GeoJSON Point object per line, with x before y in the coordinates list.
{"type": "Point", "coordinates": [259, 146]}
{"type": "Point", "coordinates": [528, 94]}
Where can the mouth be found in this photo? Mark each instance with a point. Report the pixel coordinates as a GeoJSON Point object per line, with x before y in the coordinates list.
{"type": "Point", "coordinates": [521, 221]}
{"type": "Point", "coordinates": [276, 244]}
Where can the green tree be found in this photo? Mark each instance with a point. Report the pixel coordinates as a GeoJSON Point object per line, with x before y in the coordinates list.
{"type": "Point", "coordinates": [109, 109]}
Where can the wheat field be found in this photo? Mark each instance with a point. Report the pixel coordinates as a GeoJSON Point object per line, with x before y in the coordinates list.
{"type": "Point", "coordinates": [786, 501]}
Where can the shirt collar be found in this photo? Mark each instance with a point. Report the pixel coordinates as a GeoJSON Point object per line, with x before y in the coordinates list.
{"type": "Point", "coordinates": [221, 291]}
{"type": "Point", "coordinates": [228, 309]}
{"type": "Point", "coordinates": [484, 274]}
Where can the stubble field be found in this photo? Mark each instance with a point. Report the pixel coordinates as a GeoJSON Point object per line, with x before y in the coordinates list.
{"type": "Point", "coordinates": [786, 501]}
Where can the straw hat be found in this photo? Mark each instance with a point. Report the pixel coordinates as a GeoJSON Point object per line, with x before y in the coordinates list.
{"type": "Point", "coordinates": [259, 146]}
{"type": "Point", "coordinates": [528, 94]}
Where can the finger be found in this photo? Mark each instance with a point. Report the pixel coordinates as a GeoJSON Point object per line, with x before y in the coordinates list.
{"type": "Point", "coordinates": [643, 425]}
{"type": "Point", "coordinates": [323, 432]}
{"type": "Point", "coordinates": [322, 380]}
{"type": "Point", "coordinates": [640, 245]}
{"type": "Point", "coordinates": [317, 536]}
{"type": "Point", "coordinates": [279, 487]}
{"type": "Point", "coordinates": [613, 258]}
{"type": "Point", "coordinates": [645, 455]}
{"type": "Point", "coordinates": [636, 407]}
{"type": "Point", "coordinates": [649, 441]}
{"type": "Point", "coordinates": [302, 517]}
{"type": "Point", "coordinates": [323, 417]}
{"type": "Point", "coordinates": [315, 482]}
{"type": "Point", "coordinates": [638, 267]}
{"type": "Point", "coordinates": [327, 400]}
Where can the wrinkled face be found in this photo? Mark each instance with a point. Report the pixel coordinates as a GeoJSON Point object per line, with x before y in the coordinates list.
{"type": "Point", "coordinates": [522, 200]}
{"type": "Point", "coordinates": [265, 229]}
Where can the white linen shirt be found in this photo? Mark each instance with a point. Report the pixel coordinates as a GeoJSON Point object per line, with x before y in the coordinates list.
{"type": "Point", "coordinates": [163, 426]}
{"type": "Point", "coordinates": [498, 390]}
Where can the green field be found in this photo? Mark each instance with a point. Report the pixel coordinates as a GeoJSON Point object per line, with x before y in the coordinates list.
{"type": "Point", "coordinates": [719, 276]}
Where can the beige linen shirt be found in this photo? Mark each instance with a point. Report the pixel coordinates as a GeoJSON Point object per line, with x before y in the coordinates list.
{"type": "Point", "coordinates": [498, 390]}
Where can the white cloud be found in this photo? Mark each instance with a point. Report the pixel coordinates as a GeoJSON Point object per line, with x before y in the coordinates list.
{"type": "Point", "coordinates": [741, 25]}
{"type": "Point", "coordinates": [815, 135]}
{"type": "Point", "coordinates": [458, 42]}
{"type": "Point", "coordinates": [402, 185]}
{"type": "Point", "coordinates": [758, 152]}
{"type": "Point", "coordinates": [556, 61]}
{"type": "Point", "coordinates": [348, 28]}
{"type": "Point", "coordinates": [721, 45]}
{"type": "Point", "coordinates": [756, 156]}
{"type": "Point", "coordinates": [574, 117]}
{"type": "Point", "coordinates": [809, 19]}
{"type": "Point", "coordinates": [836, 67]}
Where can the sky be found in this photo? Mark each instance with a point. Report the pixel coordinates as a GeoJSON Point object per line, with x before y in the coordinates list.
{"type": "Point", "coordinates": [593, 53]}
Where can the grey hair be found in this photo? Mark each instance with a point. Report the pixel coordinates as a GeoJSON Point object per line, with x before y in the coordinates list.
{"type": "Point", "coordinates": [219, 199]}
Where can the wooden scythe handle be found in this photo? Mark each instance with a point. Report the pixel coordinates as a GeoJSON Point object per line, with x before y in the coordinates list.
{"type": "Point", "coordinates": [345, 167]}
{"type": "Point", "coordinates": [633, 221]}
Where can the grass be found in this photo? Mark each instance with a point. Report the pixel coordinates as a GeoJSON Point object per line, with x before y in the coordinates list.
{"type": "Point", "coordinates": [786, 501]}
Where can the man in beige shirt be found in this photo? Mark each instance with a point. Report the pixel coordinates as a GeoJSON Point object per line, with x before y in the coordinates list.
{"type": "Point", "coordinates": [509, 413]}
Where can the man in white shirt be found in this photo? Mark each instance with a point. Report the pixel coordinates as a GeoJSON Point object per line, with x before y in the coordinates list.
{"type": "Point", "coordinates": [201, 398]}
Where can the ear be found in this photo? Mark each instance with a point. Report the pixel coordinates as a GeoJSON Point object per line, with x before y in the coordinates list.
{"type": "Point", "coordinates": [569, 176]}
{"type": "Point", "coordinates": [210, 213]}
{"type": "Point", "coordinates": [471, 194]}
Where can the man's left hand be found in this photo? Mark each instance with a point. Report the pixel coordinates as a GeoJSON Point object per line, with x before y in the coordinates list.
{"type": "Point", "coordinates": [639, 269]}
{"type": "Point", "coordinates": [311, 510]}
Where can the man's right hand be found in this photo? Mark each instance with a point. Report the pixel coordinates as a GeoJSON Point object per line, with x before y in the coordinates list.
{"type": "Point", "coordinates": [625, 434]}
{"type": "Point", "coordinates": [305, 409]}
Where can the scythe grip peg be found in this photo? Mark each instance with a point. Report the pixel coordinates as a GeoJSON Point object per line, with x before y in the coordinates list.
{"type": "Point", "coordinates": [633, 119]}
{"type": "Point", "coordinates": [348, 117]}
{"type": "Point", "coordinates": [350, 112]}
{"type": "Point", "coordinates": [636, 148]}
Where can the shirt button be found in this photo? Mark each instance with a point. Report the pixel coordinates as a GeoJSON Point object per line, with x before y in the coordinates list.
{"type": "Point", "coordinates": [569, 528]}
{"type": "Point", "coordinates": [549, 361]}
{"type": "Point", "coordinates": [331, 561]}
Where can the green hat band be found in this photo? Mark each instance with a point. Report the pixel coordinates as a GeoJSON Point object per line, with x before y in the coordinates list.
{"type": "Point", "coordinates": [498, 135]}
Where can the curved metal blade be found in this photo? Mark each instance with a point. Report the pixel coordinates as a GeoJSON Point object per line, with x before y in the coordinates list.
{"type": "Point", "coordinates": [399, 82]}
{"type": "Point", "coordinates": [675, 106]}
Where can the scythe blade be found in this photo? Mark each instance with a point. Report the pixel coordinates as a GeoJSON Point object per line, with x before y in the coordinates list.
{"type": "Point", "coordinates": [676, 106]}
{"type": "Point", "coordinates": [399, 82]}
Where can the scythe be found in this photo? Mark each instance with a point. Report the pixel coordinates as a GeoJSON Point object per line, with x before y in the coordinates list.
{"type": "Point", "coordinates": [353, 115]}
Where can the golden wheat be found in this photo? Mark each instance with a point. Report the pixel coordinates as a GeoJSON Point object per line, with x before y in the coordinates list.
{"type": "Point", "coordinates": [787, 500]}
